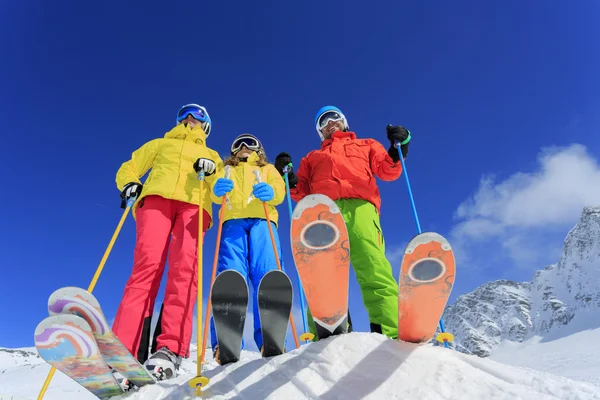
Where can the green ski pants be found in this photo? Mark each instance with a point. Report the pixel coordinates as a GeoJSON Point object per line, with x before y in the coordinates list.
{"type": "Point", "coordinates": [373, 271]}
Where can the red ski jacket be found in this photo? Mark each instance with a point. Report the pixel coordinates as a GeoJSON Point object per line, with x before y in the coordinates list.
{"type": "Point", "coordinates": [345, 168]}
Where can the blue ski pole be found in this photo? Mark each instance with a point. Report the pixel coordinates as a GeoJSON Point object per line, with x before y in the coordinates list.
{"type": "Point", "coordinates": [414, 208]}
{"type": "Point", "coordinates": [286, 169]}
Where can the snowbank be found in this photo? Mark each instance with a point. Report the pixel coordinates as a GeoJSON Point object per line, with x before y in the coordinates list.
{"type": "Point", "coordinates": [353, 366]}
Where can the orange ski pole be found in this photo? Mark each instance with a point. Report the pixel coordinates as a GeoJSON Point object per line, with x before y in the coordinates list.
{"type": "Point", "coordinates": [257, 174]}
{"type": "Point", "coordinates": [214, 270]}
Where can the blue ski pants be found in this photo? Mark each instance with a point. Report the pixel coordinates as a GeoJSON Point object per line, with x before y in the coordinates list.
{"type": "Point", "coordinates": [247, 248]}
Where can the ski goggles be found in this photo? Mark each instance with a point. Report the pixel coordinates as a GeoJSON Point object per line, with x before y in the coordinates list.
{"type": "Point", "coordinates": [328, 116]}
{"type": "Point", "coordinates": [250, 142]}
{"type": "Point", "coordinates": [196, 111]}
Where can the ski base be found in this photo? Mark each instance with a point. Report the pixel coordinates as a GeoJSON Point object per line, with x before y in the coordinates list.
{"type": "Point", "coordinates": [275, 295]}
{"type": "Point", "coordinates": [426, 280]}
{"type": "Point", "coordinates": [66, 342]}
{"type": "Point", "coordinates": [321, 251]}
{"type": "Point", "coordinates": [77, 301]}
{"type": "Point", "coordinates": [229, 298]}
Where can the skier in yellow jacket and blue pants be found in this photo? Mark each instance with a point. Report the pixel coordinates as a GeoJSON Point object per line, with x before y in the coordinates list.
{"type": "Point", "coordinates": [245, 240]}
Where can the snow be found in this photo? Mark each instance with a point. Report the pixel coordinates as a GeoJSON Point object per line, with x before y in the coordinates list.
{"type": "Point", "coordinates": [360, 366]}
{"type": "Point", "coordinates": [575, 356]}
{"type": "Point", "coordinates": [541, 337]}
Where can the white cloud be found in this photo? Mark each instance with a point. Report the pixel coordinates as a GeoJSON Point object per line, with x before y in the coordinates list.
{"type": "Point", "coordinates": [567, 180]}
{"type": "Point", "coordinates": [395, 254]}
{"type": "Point", "coordinates": [518, 214]}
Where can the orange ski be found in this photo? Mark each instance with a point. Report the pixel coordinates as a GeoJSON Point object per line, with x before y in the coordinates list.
{"type": "Point", "coordinates": [426, 279]}
{"type": "Point", "coordinates": [321, 251]}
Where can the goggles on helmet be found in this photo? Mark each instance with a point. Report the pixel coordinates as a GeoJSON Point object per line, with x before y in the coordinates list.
{"type": "Point", "coordinates": [197, 112]}
{"type": "Point", "coordinates": [328, 116]}
{"type": "Point", "coordinates": [249, 141]}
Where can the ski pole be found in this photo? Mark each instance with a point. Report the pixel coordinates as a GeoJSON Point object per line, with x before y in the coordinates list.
{"type": "Point", "coordinates": [306, 336]}
{"type": "Point", "coordinates": [258, 180]}
{"type": "Point", "coordinates": [94, 281]}
{"type": "Point", "coordinates": [214, 269]}
{"type": "Point", "coordinates": [414, 208]}
{"type": "Point", "coordinates": [199, 381]}
{"type": "Point", "coordinates": [227, 176]}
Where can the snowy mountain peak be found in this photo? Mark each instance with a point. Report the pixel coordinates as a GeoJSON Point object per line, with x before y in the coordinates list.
{"type": "Point", "coordinates": [498, 310]}
{"type": "Point", "coordinates": [10, 358]}
{"type": "Point", "coordinates": [507, 310]}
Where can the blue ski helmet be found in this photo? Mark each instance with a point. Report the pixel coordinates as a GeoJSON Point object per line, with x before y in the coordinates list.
{"type": "Point", "coordinates": [328, 113]}
{"type": "Point", "coordinates": [198, 112]}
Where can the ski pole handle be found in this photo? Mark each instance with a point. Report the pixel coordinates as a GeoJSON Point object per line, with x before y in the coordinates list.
{"type": "Point", "coordinates": [257, 175]}
{"type": "Point", "coordinates": [200, 175]}
{"type": "Point", "coordinates": [131, 201]}
{"type": "Point", "coordinates": [227, 175]}
{"type": "Point", "coordinates": [258, 180]}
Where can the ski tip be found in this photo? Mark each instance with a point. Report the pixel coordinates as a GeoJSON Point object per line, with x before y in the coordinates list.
{"type": "Point", "coordinates": [72, 291]}
{"type": "Point", "coordinates": [276, 274]}
{"type": "Point", "coordinates": [62, 319]}
{"type": "Point", "coordinates": [312, 200]}
{"type": "Point", "coordinates": [427, 237]}
{"type": "Point", "coordinates": [230, 274]}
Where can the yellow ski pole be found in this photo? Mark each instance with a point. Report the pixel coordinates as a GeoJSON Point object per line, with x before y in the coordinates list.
{"type": "Point", "coordinates": [199, 381]}
{"type": "Point", "coordinates": [93, 282]}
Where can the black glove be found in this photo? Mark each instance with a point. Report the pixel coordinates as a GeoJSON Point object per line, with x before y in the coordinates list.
{"type": "Point", "coordinates": [131, 190]}
{"type": "Point", "coordinates": [398, 134]}
{"type": "Point", "coordinates": [205, 164]}
{"type": "Point", "coordinates": [285, 160]}
{"type": "Point", "coordinates": [282, 160]}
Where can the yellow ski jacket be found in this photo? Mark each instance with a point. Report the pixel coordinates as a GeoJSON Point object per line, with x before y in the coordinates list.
{"type": "Point", "coordinates": [243, 182]}
{"type": "Point", "coordinates": [171, 160]}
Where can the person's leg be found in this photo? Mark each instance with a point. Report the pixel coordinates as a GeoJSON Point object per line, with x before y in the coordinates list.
{"type": "Point", "coordinates": [233, 254]}
{"type": "Point", "coordinates": [148, 321]}
{"type": "Point", "coordinates": [373, 271]}
{"type": "Point", "coordinates": [153, 227]}
{"type": "Point", "coordinates": [262, 260]}
{"type": "Point", "coordinates": [181, 287]}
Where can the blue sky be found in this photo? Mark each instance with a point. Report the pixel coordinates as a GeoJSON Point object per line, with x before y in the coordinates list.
{"type": "Point", "coordinates": [502, 100]}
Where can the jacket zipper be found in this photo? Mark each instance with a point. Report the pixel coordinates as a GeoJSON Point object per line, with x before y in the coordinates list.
{"type": "Point", "coordinates": [179, 171]}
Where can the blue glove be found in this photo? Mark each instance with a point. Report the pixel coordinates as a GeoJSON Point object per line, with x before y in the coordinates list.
{"type": "Point", "coordinates": [263, 191]}
{"type": "Point", "coordinates": [222, 186]}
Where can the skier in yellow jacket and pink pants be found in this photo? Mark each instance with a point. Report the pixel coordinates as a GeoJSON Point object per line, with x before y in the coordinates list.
{"type": "Point", "coordinates": [166, 212]}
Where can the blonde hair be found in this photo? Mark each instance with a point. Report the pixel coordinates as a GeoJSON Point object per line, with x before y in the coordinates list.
{"type": "Point", "coordinates": [235, 160]}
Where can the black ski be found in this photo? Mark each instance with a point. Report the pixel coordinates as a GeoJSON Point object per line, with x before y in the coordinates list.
{"type": "Point", "coordinates": [229, 299]}
{"type": "Point", "coordinates": [274, 306]}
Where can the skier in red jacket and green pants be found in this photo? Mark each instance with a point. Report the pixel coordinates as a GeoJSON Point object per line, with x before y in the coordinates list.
{"type": "Point", "coordinates": [344, 169]}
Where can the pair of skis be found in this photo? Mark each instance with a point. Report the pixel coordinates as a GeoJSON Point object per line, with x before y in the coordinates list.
{"type": "Point", "coordinates": [321, 250]}
{"type": "Point", "coordinates": [229, 298]}
{"type": "Point", "coordinates": [78, 341]}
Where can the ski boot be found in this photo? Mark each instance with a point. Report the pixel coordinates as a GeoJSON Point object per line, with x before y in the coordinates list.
{"type": "Point", "coordinates": [163, 364]}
